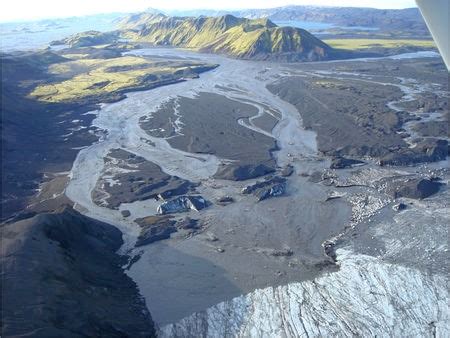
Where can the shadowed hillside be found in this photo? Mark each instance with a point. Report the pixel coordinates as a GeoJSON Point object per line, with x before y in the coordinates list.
{"type": "Point", "coordinates": [64, 280]}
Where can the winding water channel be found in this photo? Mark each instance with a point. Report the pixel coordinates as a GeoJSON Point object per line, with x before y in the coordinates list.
{"type": "Point", "coordinates": [120, 121]}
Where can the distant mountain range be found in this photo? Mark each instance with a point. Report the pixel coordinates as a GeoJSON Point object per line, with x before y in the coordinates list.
{"type": "Point", "coordinates": [384, 19]}
{"type": "Point", "coordinates": [227, 34]}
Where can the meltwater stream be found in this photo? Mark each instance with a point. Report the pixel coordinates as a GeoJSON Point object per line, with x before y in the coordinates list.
{"type": "Point", "coordinates": [120, 122]}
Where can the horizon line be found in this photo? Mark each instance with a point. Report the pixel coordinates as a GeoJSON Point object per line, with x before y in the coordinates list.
{"type": "Point", "coordinates": [166, 10]}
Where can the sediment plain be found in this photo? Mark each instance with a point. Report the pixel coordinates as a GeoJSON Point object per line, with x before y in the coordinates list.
{"type": "Point", "coordinates": [191, 131]}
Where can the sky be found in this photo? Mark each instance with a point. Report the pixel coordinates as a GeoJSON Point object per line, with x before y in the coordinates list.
{"type": "Point", "coordinates": [12, 10]}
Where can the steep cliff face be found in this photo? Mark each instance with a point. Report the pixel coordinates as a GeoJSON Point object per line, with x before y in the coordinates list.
{"type": "Point", "coordinates": [238, 37]}
{"type": "Point", "coordinates": [366, 297]}
{"type": "Point", "coordinates": [61, 277]}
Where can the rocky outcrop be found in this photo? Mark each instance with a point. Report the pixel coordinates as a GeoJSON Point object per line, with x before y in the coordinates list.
{"type": "Point", "coordinates": [287, 171]}
{"type": "Point", "coordinates": [61, 277]}
{"type": "Point", "coordinates": [410, 187]}
{"type": "Point", "coordinates": [399, 207]}
{"type": "Point", "coordinates": [334, 195]}
{"type": "Point", "coordinates": [243, 172]}
{"type": "Point", "coordinates": [188, 224]}
{"type": "Point", "coordinates": [125, 213]}
{"type": "Point", "coordinates": [154, 228]}
{"type": "Point", "coordinates": [326, 177]}
{"type": "Point", "coordinates": [271, 187]}
{"type": "Point", "coordinates": [224, 200]}
{"type": "Point", "coordinates": [157, 228]}
{"type": "Point", "coordinates": [428, 150]}
{"type": "Point", "coordinates": [182, 204]}
{"type": "Point", "coordinates": [342, 163]}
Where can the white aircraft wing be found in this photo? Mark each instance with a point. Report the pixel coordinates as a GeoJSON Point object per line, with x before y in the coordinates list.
{"type": "Point", "coordinates": [436, 15]}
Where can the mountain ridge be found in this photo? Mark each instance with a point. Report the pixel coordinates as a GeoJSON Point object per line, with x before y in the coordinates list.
{"type": "Point", "coordinates": [227, 34]}
{"type": "Point", "coordinates": [65, 279]}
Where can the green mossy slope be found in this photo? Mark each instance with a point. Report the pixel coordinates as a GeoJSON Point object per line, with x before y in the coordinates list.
{"type": "Point", "coordinates": [238, 37]}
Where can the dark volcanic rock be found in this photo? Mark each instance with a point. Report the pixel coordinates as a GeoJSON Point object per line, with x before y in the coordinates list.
{"type": "Point", "coordinates": [274, 190]}
{"type": "Point", "coordinates": [316, 177]}
{"type": "Point", "coordinates": [188, 224]}
{"type": "Point", "coordinates": [61, 277]}
{"type": "Point", "coordinates": [287, 171]}
{"type": "Point", "coordinates": [182, 204]}
{"type": "Point", "coordinates": [286, 252]}
{"type": "Point", "coordinates": [272, 187]}
{"type": "Point", "coordinates": [329, 248]}
{"type": "Point", "coordinates": [243, 172]}
{"type": "Point", "coordinates": [410, 187]}
{"type": "Point", "coordinates": [399, 207]}
{"type": "Point", "coordinates": [428, 150]}
{"type": "Point", "coordinates": [325, 177]}
{"type": "Point", "coordinates": [225, 200]}
{"type": "Point", "coordinates": [125, 213]}
{"type": "Point", "coordinates": [342, 163]}
{"type": "Point", "coordinates": [155, 228]}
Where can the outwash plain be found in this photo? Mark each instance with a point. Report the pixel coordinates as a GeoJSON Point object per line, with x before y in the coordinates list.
{"type": "Point", "coordinates": [254, 198]}
{"type": "Point", "coordinates": [321, 117]}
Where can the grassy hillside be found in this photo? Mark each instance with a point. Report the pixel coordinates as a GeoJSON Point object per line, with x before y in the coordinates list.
{"type": "Point", "coordinates": [361, 44]}
{"type": "Point", "coordinates": [238, 37]}
{"type": "Point", "coordinates": [81, 77]}
{"type": "Point", "coordinates": [88, 38]}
